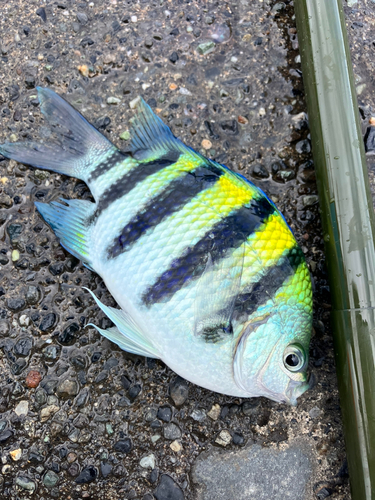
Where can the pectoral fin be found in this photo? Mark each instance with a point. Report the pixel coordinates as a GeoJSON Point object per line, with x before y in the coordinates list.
{"type": "Point", "coordinates": [216, 295]}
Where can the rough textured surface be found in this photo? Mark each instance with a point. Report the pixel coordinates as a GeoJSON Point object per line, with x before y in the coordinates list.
{"type": "Point", "coordinates": [360, 19]}
{"type": "Point", "coordinates": [235, 93]}
{"type": "Point", "coordinates": [255, 472]}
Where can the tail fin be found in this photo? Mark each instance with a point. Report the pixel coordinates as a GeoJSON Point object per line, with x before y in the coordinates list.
{"type": "Point", "coordinates": [79, 146]}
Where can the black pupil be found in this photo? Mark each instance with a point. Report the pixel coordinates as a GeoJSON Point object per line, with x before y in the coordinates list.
{"type": "Point", "coordinates": [292, 360]}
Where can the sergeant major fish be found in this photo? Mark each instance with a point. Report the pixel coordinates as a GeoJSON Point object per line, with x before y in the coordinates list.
{"type": "Point", "coordinates": [208, 275]}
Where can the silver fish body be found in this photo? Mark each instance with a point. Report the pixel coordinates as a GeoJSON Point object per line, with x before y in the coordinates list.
{"type": "Point", "coordinates": [207, 274]}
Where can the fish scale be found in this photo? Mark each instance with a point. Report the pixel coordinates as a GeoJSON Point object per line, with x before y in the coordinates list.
{"type": "Point", "coordinates": [208, 275]}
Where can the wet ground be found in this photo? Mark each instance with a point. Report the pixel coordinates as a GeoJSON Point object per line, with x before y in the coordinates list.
{"type": "Point", "coordinates": [80, 418]}
{"type": "Point", "coordinates": [360, 19]}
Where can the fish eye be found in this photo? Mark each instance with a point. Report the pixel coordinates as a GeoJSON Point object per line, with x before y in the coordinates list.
{"type": "Point", "coordinates": [294, 358]}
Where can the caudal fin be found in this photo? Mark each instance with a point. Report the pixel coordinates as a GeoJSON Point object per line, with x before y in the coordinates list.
{"type": "Point", "coordinates": [79, 147]}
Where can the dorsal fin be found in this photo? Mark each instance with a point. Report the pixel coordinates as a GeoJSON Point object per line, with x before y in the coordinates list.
{"type": "Point", "coordinates": [151, 138]}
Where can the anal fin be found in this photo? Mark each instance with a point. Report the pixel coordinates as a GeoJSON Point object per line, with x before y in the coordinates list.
{"type": "Point", "coordinates": [68, 220]}
{"type": "Point", "coordinates": [127, 335]}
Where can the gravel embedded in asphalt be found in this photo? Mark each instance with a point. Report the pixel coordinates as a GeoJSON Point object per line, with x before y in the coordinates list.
{"type": "Point", "coordinates": [226, 78]}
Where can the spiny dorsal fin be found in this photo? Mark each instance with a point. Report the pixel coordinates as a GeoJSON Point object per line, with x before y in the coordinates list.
{"type": "Point", "coordinates": [151, 138]}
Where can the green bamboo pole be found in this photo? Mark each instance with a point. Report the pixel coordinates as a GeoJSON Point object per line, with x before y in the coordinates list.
{"type": "Point", "coordinates": [348, 224]}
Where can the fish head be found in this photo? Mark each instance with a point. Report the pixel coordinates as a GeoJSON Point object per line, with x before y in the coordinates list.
{"type": "Point", "coordinates": [271, 355]}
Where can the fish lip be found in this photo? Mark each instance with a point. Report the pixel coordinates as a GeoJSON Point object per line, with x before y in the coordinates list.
{"type": "Point", "coordinates": [293, 391]}
{"type": "Point", "coordinates": [296, 389]}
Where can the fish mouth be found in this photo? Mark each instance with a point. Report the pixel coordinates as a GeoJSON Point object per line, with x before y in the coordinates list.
{"type": "Point", "coordinates": [296, 389]}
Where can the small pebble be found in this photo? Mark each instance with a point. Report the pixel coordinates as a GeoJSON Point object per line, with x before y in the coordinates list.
{"type": "Point", "coordinates": [172, 86]}
{"type": "Point", "coordinates": [15, 305]}
{"type": "Point", "coordinates": [50, 479]}
{"type": "Point", "coordinates": [15, 255]}
{"type": "Point", "coordinates": [24, 320]}
{"type": "Point", "coordinates": [68, 387]}
{"type": "Point", "coordinates": [47, 412]}
{"type": "Point", "coordinates": [47, 322]}
{"type": "Point", "coordinates": [164, 413]}
{"type": "Point", "coordinates": [224, 438]}
{"type": "Point", "coordinates": [4, 436]}
{"type": "Point", "coordinates": [262, 112]}
{"type": "Point", "coordinates": [33, 379]}
{"type": "Point", "coordinates": [198, 415]}
{"type": "Point", "coordinates": [214, 413]}
{"type": "Point", "coordinates": [148, 462]}
{"type": "Point", "coordinates": [87, 475]}
{"type": "Point", "coordinates": [175, 446]}
{"type": "Point", "coordinates": [82, 17]}
{"type": "Point", "coordinates": [105, 469]}
{"type": "Point", "coordinates": [174, 57]}
{"type": "Point", "coordinates": [206, 48]}
{"type": "Point", "coordinates": [133, 19]}
{"type": "Point", "coordinates": [71, 457]}
{"type": "Point", "coordinates": [123, 445]}
{"type": "Point", "coordinates": [172, 431]}
{"type": "Point", "coordinates": [168, 489]}
{"type": "Point", "coordinates": [16, 454]}
{"type": "Point", "coordinates": [84, 70]}
{"type": "Point", "coordinates": [206, 144]}
{"type": "Point", "coordinates": [113, 100]}
{"type": "Point", "coordinates": [278, 7]}
{"type": "Point", "coordinates": [134, 103]}
{"type": "Point", "coordinates": [238, 438]}
{"type": "Point", "coordinates": [22, 408]}
{"type": "Point", "coordinates": [303, 147]}
{"type": "Point", "coordinates": [41, 12]}
{"type": "Point", "coordinates": [179, 391]}
{"type": "Point", "coordinates": [25, 483]}
{"type": "Point", "coordinates": [259, 171]}
{"type": "Point", "coordinates": [310, 200]}
{"type": "Point", "coordinates": [323, 493]}
{"type": "Point", "coordinates": [360, 88]}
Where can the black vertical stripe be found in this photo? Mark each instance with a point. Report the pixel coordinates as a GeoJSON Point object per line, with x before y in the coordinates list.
{"type": "Point", "coordinates": [224, 237]}
{"type": "Point", "coordinates": [129, 181]}
{"type": "Point", "coordinates": [176, 194]}
{"type": "Point", "coordinates": [270, 282]}
{"type": "Point", "coordinates": [103, 167]}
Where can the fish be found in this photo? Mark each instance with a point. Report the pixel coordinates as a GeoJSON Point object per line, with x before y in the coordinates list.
{"type": "Point", "coordinates": [206, 272]}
